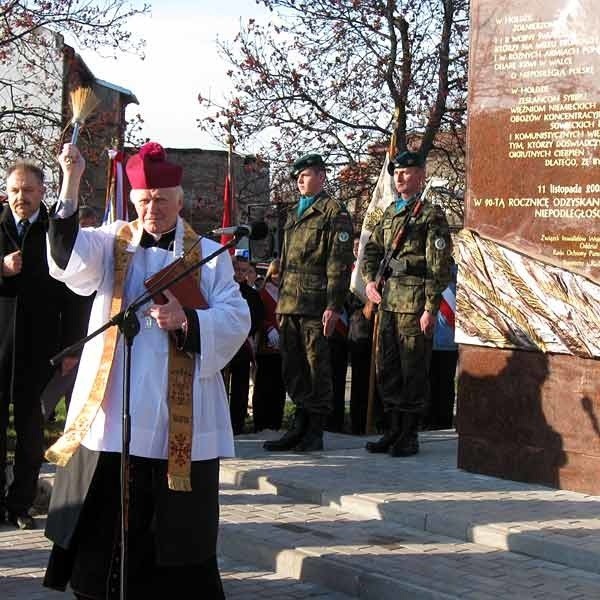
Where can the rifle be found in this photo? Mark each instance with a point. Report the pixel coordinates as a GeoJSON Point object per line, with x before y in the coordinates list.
{"type": "Point", "coordinates": [384, 266]}
{"type": "Point", "coordinates": [370, 308]}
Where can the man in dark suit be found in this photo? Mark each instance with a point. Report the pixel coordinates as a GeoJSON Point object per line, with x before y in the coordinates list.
{"type": "Point", "coordinates": [31, 310]}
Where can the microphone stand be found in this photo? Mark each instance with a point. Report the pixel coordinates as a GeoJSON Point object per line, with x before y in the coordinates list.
{"type": "Point", "coordinates": [129, 326]}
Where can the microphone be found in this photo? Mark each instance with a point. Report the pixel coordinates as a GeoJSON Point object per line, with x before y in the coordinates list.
{"type": "Point", "coordinates": [255, 231]}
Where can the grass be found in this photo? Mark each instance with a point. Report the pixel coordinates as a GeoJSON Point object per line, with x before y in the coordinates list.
{"type": "Point", "coordinates": [52, 431]}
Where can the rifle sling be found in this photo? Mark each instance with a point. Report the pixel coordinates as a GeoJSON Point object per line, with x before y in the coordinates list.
{"type": "Point", "coordinates": [397, 243]}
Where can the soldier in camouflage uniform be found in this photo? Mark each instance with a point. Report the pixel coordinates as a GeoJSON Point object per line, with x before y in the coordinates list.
{"type": "Point", "coordinates": [408, 304]}
{"type": "Point", "coordinates": [316, 263]}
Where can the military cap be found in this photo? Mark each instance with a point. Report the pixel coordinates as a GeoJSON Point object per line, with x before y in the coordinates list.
{"type": "Point", "coordinates": [306, 161]}
{"type": "Point", "coordinates": [406, 159]}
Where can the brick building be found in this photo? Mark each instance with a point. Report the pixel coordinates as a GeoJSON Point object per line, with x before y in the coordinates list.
{"type": "Point", "coordinates": [204, 174]}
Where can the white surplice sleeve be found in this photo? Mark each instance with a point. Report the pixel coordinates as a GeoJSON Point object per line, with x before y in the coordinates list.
{"type": "Point", "coordinates": [91, 258]}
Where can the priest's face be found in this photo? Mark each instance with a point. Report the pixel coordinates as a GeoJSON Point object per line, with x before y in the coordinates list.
{"type": "Point", "coordinates": [157, 209]}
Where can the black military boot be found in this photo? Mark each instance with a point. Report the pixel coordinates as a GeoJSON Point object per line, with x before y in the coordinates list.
{"type": "Point", "coordinates": [390, 435]}
{"type": "Point", "coordinates": [292, 436]}
{"type": "Point", "coordinates": [407, 443]}
{"type": "Point", "coordinates": [312, 440]}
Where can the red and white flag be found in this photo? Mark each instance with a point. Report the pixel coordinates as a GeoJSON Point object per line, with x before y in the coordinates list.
{"type": "Point", "coordinates": [116, 202]}
{"type": "Point", "coordinates": [448, 306]}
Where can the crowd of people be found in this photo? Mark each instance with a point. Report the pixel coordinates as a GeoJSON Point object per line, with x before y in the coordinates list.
{"type": "Point", "coordinates": [191, 357]}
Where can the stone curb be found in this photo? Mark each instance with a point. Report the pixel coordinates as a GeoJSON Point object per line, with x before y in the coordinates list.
{"type": "Point", "coordinates": [493, 536]}
{"type": "Point", "coordinates": [296, 563]}
{"type": "Point", "coordinates": [330, 573]}
{"type": "Point", "coordinates": [436, 522]}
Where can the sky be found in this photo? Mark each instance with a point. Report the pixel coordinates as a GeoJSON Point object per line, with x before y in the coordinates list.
{"type": "Point", "coordinates": [181, 61]}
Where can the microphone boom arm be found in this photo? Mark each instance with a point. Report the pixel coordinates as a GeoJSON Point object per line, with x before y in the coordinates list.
{"type": "Point", "coordinates": [140, 301]}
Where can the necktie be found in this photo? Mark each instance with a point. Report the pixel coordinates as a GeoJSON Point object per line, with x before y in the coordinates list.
{"type": "Point", "coordinates": [23, 227]}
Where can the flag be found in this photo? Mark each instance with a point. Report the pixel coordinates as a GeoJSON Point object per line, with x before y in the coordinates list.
{"type": "Point", "coordinates": [383, 195]}
{"type": "Point", "coordinates": [116, 203]}
{"type": "Point", "coordinates": [448, 306]}
{"type": "Point", "coordinates": [341, 325]}
{"type": "Point", "coordinates": [227, 213]}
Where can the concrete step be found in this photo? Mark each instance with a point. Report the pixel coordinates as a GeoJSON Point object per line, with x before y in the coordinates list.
{"type": "Point", "coordinates": [425, 494]}
{"type": "Point", "coordinates": [242, 581]}
{"type": "Point", "coordinates": [372, 559]}
{"type": "Point", "coordinates": [24, 555]}
{"type": "Point", "coordinates": [428, 493]}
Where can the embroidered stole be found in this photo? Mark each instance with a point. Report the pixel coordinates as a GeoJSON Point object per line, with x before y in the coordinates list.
{"type": "Point", "coordinates": [181, 373]}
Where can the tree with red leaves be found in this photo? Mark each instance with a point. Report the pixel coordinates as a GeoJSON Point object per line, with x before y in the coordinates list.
{"type": "Point", "coordinates": [328, 75]}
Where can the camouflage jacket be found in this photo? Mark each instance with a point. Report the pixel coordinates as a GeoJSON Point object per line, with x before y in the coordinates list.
{"type": "Point", "coordinates": [316, 259]}
{"type": "Point", "coordinates": [421, 270]}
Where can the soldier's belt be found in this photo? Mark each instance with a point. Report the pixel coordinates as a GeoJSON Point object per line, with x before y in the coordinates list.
{"type": "Point", "coordinates": [405, 267]}
{"type": "Point", "coordinates": [316, 270]}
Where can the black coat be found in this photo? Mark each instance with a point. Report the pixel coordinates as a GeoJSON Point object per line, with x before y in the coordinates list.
{"type": "Point", "coordinates": [257, 309]}
{"type": "Point", "coordinates": [38, 314]}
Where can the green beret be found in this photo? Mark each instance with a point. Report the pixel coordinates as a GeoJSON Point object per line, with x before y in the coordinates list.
{"type": "Point", "coordinates": [306, 161]}
{"type": "Point", "coordinates": [406, 159]}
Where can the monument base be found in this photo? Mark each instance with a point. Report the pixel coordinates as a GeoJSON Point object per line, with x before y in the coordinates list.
{"type": "Point", "coordinates": [530, 417]}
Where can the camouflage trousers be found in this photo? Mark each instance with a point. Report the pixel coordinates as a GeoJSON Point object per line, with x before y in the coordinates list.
{"type": "Point", "coordinates": [306, 363]}
{"type": "Point", "coordinates": [402, 362]}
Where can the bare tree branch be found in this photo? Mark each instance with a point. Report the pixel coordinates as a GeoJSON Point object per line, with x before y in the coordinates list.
{"type": "Point", "coordinates": [327, 76]}
{"type": "Point", "coordinates": [33, 65]}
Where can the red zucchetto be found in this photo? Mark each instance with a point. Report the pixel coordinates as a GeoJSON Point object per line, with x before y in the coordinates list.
{"type": "Point", "coordinates": [149, 169]}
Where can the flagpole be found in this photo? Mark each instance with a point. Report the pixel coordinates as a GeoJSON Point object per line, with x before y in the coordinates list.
{"type": "Point", "coordinates": [228, 219]}
{"type": "Point", "coordinates": [230, 140]}
{"type": "Point", "coordinates": [383, 182]}
{"type": "Point", "coordinates": [229, 211]}
{"type": "Point", "coordinates": [109, 191]}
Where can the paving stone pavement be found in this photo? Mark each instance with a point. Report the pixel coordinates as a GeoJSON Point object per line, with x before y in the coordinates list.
{"type": "Point", "coordinates": [376, 528]}
{"type": "Point", "coordinates": [428, 492]}
{"type": "Point", "coordinates": [23, 556]}
{"type": "Point", "coordinates": [358, 555]}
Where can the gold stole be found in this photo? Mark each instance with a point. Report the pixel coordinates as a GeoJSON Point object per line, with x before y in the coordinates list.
{"type": "Point", "coordinates": [181, 374]}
